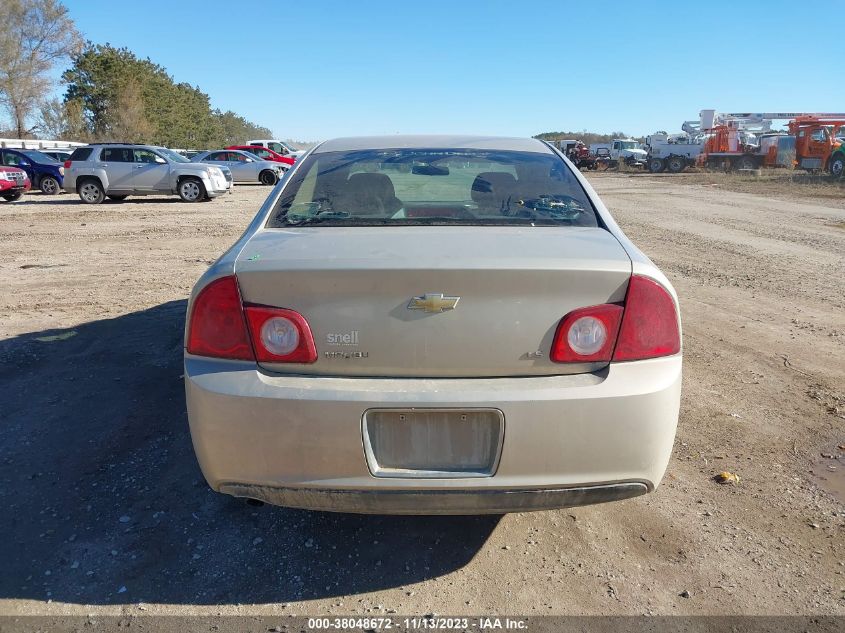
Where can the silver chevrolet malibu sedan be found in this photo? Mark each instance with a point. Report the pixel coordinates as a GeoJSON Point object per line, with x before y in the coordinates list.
{"type": "Point", "coordinates": [433, 325]}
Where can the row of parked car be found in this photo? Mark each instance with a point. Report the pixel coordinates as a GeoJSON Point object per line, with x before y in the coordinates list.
{"type": "Point", "coordinates": [118, 170]}
{"type": "Point", "coordinates": [22, 169]}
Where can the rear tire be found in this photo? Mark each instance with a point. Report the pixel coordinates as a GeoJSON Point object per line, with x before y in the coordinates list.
{"type": "Point", "coordinates": [676, 164]}
{"type": "Point", "coordinates": [117, 198]}
{"type": "Point", "coordinates": [11, 197]}
{"type": "Point", "coordinates": [91, 192]}
{"type": "Point", "coordinates": [837, 166]}
{"type": "Point", "coordinates": [49, 186]}
{"type": "Point", "coordinates": [191, 190]}
{"type": "Point", "coordinates": [656, 165]}
{"type": "Point", "coordinates": [268, 177]}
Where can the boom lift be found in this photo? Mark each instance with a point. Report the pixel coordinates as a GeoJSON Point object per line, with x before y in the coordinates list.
{"type": "Point", "coordinates": [743, 140]}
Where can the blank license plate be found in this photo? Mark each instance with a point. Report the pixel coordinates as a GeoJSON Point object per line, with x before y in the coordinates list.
{"type": "Point", "coordinates": [433, 442]}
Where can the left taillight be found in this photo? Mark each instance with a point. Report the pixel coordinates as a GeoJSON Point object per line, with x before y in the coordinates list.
{"type": "Point", "coordinates": [216, 326]}
{"type": "Point", "coordinates": [222, 326]}
{"type": "Point", "coordinates": [280, 336]}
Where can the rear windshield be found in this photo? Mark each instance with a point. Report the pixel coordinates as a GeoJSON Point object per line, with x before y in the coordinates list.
{"type": "Point", "coordinates": [81, 153]}
{"type": "Point", "coordinates": [433, 186]}
{"type": "Point", "coordinates": [38, 157]}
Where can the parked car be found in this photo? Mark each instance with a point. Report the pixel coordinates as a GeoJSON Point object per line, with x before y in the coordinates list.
{"type": "Point", "coordinates": [439, 324]}
{"type": "Point", "coordinates": [13, 183]}
{"type": "Point", "coordinates": [57, 154]}
{"type": "Point", "coordinates": [227, 174]}
{"type": "Point", "coordinates": [119, 170]}
{"type": "Point", "coordinates": [44, 172]}
{"type": "Point", "coordinates": [245, 167]}
{"type": "Point", "coordinates": [264, 154]}
{"type": "Point", "coordinates": [280, 147]}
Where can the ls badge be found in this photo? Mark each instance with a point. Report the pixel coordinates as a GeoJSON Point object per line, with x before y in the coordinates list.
{"type": "Point", "coordinates": [431, 302]}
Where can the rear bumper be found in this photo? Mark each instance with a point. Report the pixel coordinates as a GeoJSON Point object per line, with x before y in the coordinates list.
{"type": "Point", "coordinates": [568, 440]}
{"type": "Point", "coordinates": [437, 501]}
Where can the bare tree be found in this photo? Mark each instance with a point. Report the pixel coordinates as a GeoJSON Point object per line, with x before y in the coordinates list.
{"type": "Point", "coordinates": [62, 120]}
{"type": "Point", "coordinates": [51, 120]}
{"type": "Point", "coordinates": [34, 36]}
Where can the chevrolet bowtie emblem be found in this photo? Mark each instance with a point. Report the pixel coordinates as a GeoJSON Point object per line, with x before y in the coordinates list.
{"type": "Point", "coordinates": [431, 302]}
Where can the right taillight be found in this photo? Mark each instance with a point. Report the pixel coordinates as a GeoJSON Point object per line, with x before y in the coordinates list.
{"type": "Point", "coordinates": [67, 163]}
{"type": "Point", "coordinates": [217, 326]}
{"type": "Point", "coordinates": [649, 323]}
{"type": "Point", "coordinates": [587, 335]}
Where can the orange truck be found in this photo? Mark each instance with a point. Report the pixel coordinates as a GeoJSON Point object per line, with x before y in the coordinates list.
{"type": "Point", "coordinates": [743, 140]}
{"type": "Point", "coordinates": [819, 144]}
{"type": "Point", "coordinates": [729, 146]}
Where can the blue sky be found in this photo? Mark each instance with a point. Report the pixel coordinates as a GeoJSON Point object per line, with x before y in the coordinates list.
{"type": "Point", "coordinates": [311, 70]}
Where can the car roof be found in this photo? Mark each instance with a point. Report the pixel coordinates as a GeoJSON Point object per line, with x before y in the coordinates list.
{"type": "Point", "coordinates": [441, 141]}
{"type": "Point", "coordinates": [249, 148]}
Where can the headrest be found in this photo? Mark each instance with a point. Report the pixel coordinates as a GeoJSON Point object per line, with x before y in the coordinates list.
{"type": "Point", "coordinates": [490, 187]}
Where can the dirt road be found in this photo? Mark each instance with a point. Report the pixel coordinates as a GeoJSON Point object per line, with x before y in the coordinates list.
{"type": "Point", "coordinates": [105, 510]}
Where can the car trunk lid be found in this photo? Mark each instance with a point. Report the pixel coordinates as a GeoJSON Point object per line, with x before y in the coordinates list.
{"type": "Point", "coordinates": [372, 295]}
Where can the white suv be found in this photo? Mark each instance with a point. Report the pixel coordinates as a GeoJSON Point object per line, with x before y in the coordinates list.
{"type": "Point", "coordinates": [118, 170]}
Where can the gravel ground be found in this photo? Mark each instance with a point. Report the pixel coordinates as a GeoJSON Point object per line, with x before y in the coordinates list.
{"type": "Point", "coordinates": [106, 512]}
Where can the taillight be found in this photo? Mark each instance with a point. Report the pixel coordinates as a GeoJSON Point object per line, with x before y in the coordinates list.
{"type": "Point", "coordinates": [217, 327]}
{"type": "Point", "coordinates": [280, 336]}
{"type": "Point", "coordinates": [67, 163]}
{"type": "Point", "coordinates": [587, 335]}
{"type": "Point", "coordinates": [650, 323]}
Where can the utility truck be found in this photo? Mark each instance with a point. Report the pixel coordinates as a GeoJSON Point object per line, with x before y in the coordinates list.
{"type": "Point", "coordinates": [672, 152]}
{"type": "Point", "coordinates": [738, 141]}
{"type": "Point", "coordinates": [626, 150]}
{"type": "Point", "coordinates": [819, 143]}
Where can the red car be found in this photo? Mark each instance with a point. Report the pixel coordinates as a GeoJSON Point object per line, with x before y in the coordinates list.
{"type": "Point", "coordinates": [13, 183]}
{"type": "Point", "coordinates": [264, 153]}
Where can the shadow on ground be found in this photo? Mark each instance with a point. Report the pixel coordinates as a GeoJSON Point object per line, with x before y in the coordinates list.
{"type": "Point", "coordinates": [104, 502]}
{"type": "Point", "coordinates": [73, 199]}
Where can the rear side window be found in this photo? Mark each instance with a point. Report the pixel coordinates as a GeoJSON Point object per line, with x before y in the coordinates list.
{"type": "Point", "coordinates": [434, 186]}
{"type": "Point", "coordinates": [81, 153]}
{"type": "Point", "coordinates": [117, 155]}
{"type": "Point", "coordinates": [12, 159]}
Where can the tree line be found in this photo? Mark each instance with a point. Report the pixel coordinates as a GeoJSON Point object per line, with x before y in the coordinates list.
{"type": "Point", "coordinates": [586, 137]}
{"type": "Point", "coordinates": [111, 94]}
